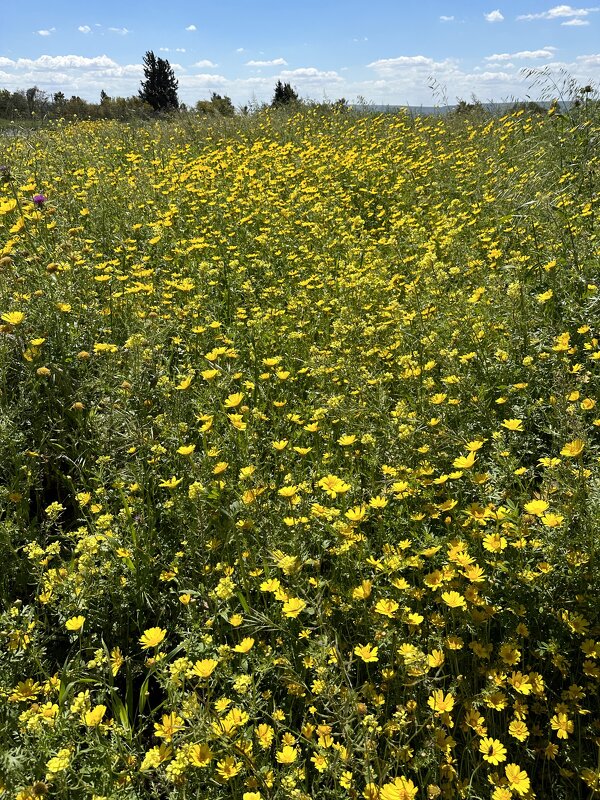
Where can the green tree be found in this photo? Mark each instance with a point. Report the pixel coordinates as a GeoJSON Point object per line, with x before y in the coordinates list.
{"type": "Point", "coordinates": [159, 89]}
{"type": "Point", "coordinates": [284, 95]}
{"type": "Point", "coordinates": [216, 105]}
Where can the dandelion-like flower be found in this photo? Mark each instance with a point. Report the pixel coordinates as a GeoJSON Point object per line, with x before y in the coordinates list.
{"type": "Point", "coordinates": [152, 637]}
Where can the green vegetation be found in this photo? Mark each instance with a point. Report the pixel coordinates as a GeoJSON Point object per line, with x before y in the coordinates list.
{"type": "Point", "coordinates": [159, 87]}
{"type": "Point", "coordinates": [299, 457]}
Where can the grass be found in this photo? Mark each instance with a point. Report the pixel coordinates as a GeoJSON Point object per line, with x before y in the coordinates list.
{"type": "Point", "coordinates": [299, 439]}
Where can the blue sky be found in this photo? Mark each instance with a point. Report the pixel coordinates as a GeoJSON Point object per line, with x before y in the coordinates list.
{"type": "Point", "coordinates": [387, 51]}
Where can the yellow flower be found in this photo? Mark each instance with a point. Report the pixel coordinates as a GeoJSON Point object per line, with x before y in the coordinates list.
{"type": "Point", "coordinates": [518, 729]}
{"type": "Point", "coordinates": [204, 668]}
{"type": "Point", "coordinates": [475, 444]}
{"type": "Point", "coordinates": [116, 660]}
{"type": "Point", "coordinates": [552, 520]}
{"type": "Point", "coordinates": [293, 607]}
{"type": "Point", "coordinates": [59, 762]}
{"type": "Point", "coordinates": [185, 383]}
{"type": "Point", "coordinates": [366, 652]}
{"type": "Point", "coordinates": [6, 206]}
{"type": "Point", "coordinates": [513, 424]}
{"type": "Point", "coordinates": [95, 716]}
{"type": "Point", "coordinates": [464, 462]}
{"type": "Point", "coordinates": [245, 645]}
{"type": "Point", "coordinates": [170, 483]}
{"type": "Point", "coordinates": [320, 761]}
{"type": "Point", "coordinates": [387, 608]}
{"type": "Point", "coordinates": [13, 317]}
{"type": "Point", "coordinates": [152, 637]}
{"type": "Point", "coordinates": [234, 400]}
{"type": "Point", "coordinates": [264, 733]}
{"type": "Point", "coordinates": [356, 514]}
{"type": "Point", "coordinates": [435, 659]}
{"type": "Point", "coordinates": [439, 702]}
{"type": "Point", "coordinates": [562, 725]}
{"type": "Point", "coordinates": [287, 755]}
{"type": "Point", "coordinates": [170, 725]}
{"type": "Point", "coordinates": [454, 600]}
{"type": "Point", "coordinates": [493, 751]}
{"type": "Point", "coordinates": [200, 755]}
{"type": "Point", "coordinates": [156, 756]}
{"type": "Point", "coordinates": [237, 421]}
{"type": "Point", "coordinates": [228, 768]}
{"type": "Point", "coordinates": [75, 623]}
{"type": "Point", "coordinates": [545, 296]}
{"type": "Point", "coordinates": [186, 449]}
{"type": "Point", "coordinates": [288, 491]}
{"type": "Point", "coordinates": [573, 449]}
{"type": "Point", "coordinates": [494, 542]}
{"type": "Point", "coordinates": [520, 683]}
{"type": "Point", "coordinates": [536, 507]}
{"type": "Point", "coordinates": [401, 789]}
{"type": "Point", "coordinates": [105, 347]}
{"type": "Point", "coordinates": [518, 779]}
{"type": "Point", "coordinates": [347, 440]}
{"type": "Point", "coordinates": [209, 374]}
{"type": "Point", "coordinates": [363, 591]}
{"type": "Point", "coordinates": [333, 485]}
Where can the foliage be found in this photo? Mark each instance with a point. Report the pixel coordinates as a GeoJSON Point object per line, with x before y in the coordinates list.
{"type": "Point", "coordinates": [299, 477]}
{"type": "Point", "coordinates": [283, 95]}
{"type": "Point", "coordinates": [159, 87]}
{"type": "Point", "coordinates": [216, 105]}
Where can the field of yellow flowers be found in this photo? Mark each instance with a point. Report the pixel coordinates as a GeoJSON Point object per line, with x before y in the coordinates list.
{"type": "Point", "coordinates": [299, 459]}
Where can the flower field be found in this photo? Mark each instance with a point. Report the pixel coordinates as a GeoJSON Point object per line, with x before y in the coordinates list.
{"type": "Point", "coordinates": [299, 458]}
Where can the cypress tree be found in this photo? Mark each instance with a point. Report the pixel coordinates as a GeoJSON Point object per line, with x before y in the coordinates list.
{"type": "Point", "coordinates": [159, 89]}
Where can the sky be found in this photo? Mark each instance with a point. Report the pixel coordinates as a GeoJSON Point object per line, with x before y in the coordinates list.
{"type": "Point", "coordinates": [385, 51]}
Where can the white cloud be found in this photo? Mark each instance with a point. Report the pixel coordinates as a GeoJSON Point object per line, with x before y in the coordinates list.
{"type": "Point", "coordinates": [575, 22]}
{"type": "Point", "coordinates": [53, 63]}
{"type": "Point", "coordinates": [560, 12]}
{"type": "Point", "coordinates": [400, 80]}
{"type": "Point", "coordinates": [444, 18]}
{"type": "Point", "coordinates": [46, 32]}
{"type": "Point", "coordinates": [202, 81]}
{"type": "Point", "coordinates": [84, 29]}
{"type": "Point", "coordinates": [205, 62]}
{"type": "Point", "coordinates": [120, 31]}
{"type": "Point", "coordinates": [311, 73]}
{"type": "Point", "coordinates": [191, 28]}
{"type": "Point", "coordinates": [547, 52]}
{"type": "Point", "coordinates": [400, 64]}
{"type": "Point", "coordinates": [240, 50]}
{"type": "Point", "coordinates": [591, 60]}
{"type": "Point", "coordinates": [494, 16]}
{"type": "Point", "coordinates": [276, 62]}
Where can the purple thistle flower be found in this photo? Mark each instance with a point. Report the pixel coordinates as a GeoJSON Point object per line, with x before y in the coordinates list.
{"type": "Point", "coordinates": [39, 200]}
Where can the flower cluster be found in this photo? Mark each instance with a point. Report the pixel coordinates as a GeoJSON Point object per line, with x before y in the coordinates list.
{"type": "Point", "coordinates": [300, 459]}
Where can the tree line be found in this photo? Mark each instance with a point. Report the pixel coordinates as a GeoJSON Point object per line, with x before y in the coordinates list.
{"type": "Point", "coordinates": [158, 94]}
